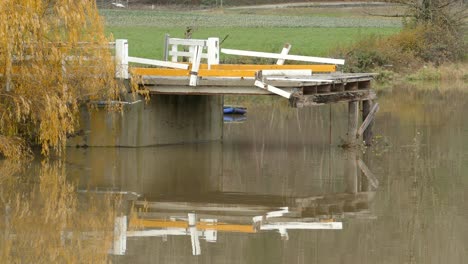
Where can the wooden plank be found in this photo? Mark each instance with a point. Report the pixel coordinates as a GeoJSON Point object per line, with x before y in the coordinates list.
{"type": "Point", "coordinates": [188, 54]}
{"type": "Point", "coordinates": [368, 173]}
{"type": "Point", "coordinates": [205, 72]}
{"type": "Point", "coordinates": [160, 72]}
{"type": "Point", "coordinates": [279, 56]}
{"type": "Point", "coordinates": [309, 80]}
{"type": "Point", "coordinates": [210, 90]}
{"type": "Point", "coordinates": [370, 117]}
{"type": "Point", "coordinates": [285, 51]}
{"type": "Point", "coordinates": [257, 67]}
{"type": "Point", "coordinates": [264, 73]}
{"type": "Point", "coordinates": [320, 99]}
{"type": "Point", "coordinates": [229, 73]}
{"type": "Point", "coordinates": [159, 63]}
{"type": "Point", "coordinates": [187, 42]}
{"type": "Point", "coordinates": [272, 89]}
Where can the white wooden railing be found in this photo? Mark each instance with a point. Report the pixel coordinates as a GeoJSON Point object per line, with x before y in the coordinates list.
{"type": "Point", "coordinates": [199, 49]}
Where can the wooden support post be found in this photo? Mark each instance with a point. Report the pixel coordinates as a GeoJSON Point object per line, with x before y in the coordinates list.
{"type": "Point", "coordinates": [353, 118]}
{"type": "Point", "coordinates": [366, 110]}
{"type": "Point", "coordinates": [121, 58]}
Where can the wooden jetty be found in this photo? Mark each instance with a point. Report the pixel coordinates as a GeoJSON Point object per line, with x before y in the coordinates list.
{"type": "Point", "coordinates": [192, 67]}
{"type": "Point", "coordinates": [303, 85]}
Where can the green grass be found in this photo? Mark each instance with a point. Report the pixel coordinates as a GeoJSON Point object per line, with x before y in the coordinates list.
{"type": "Point", "coordinates": [314, 34]}
{"type": "Point", "coordinates": [148, 41]}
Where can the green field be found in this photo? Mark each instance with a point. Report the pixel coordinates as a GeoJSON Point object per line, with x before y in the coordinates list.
{"type": "Point", "coordinates": [313, 34]}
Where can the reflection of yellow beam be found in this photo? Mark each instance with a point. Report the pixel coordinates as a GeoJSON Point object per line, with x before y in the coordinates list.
{"type": "Point", "coordinates": [156, 223]}
{"type": "Point", "coordinates": [135, 222]}
{"type": "Point", "coordinates": [226, 227]}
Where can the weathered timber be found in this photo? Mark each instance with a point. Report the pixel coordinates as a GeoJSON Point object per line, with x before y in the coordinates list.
{"type": "Point", "coordinates": [353, 119]}
{"type": "Point", "coordinates": [336, 97]}
{"type": "Point", "coordinates": [368, 114]}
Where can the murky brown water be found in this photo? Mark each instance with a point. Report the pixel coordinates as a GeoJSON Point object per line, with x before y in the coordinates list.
{"type": "Point", "coordinates": [274, 191]}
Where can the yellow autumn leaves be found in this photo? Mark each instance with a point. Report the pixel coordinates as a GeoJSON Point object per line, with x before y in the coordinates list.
{"type": "Point", "coordinates": [54, 56]}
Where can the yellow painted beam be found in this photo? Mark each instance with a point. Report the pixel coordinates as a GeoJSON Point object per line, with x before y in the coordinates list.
{"type": "Point", "coordinates": [160, 72]}
{"type": "Point", "coordinates": [258, 67]}
{"type": "Point", "coordinates": [203, 73]}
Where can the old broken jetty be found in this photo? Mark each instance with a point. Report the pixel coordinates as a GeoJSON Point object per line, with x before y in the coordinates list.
{"type": "Point", "coordinates": [302, 84]}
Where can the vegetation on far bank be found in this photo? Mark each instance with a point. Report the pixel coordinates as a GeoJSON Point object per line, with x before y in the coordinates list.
{"type": "Point", "coordinates": [433, 34]}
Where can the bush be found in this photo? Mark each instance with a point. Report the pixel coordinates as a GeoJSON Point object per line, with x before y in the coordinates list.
{"type": "Point", "coordinates": [410, 48]}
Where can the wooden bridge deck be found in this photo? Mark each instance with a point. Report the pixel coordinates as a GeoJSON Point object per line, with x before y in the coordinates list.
{"type": "Point", "coordinates": [315, 89]}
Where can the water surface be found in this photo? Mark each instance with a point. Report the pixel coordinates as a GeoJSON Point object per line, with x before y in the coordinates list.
{"type": "Point", "coordinates": [278, 189]}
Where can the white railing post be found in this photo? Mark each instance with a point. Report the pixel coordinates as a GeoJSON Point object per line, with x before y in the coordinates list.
{"type": "Point", "coordinates": [166, 47]}
{"type": "Point", "coordinates": [213, 51]}
{"type": "Point", "coordinates": [174, 49]}
{"type": "Point", "coordinates": [195, 65]}
{"type": "Point", "coordinates": [121, 58]}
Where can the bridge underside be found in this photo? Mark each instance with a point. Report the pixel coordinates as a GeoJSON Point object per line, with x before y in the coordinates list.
{"type": "Point", "coordinates": [317, 89]}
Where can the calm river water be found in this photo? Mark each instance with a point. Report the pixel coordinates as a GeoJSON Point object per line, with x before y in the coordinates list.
{"type": "Point", "coordinates": [278, 189]}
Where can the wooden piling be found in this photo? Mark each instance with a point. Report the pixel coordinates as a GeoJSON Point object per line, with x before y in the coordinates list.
{"type": "Point", "coordinates": [368, 134]}
{"type": "Point", "coordinates": [353, 119]}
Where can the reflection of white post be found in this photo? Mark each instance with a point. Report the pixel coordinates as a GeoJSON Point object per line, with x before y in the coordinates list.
{"type": "Point", "coordinates": [192, 221]}
{"type": "Point", "coordinates": [210, 235]}
{"type": "Point", "coordinates": [121, 58]}
{"type": "Point", "coordinates": [284, 233]}
{"type": "Point", "coordinates": [120, 235]}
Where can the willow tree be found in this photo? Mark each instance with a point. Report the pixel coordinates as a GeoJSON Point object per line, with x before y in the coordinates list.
{"type": "Point", "coordinates": [54, 56]}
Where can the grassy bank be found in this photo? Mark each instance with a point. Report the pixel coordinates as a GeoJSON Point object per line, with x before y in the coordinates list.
{"type": "Point", "coordinates": [148, 41]}
{"type": "Point", "coordinates": [311, 32]}
{"type": "Point", "coordinates": [367, 42]}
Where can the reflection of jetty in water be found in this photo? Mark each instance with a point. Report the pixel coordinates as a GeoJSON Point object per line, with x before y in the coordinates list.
{"type": "Point", "coordinates": [215, 213]}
